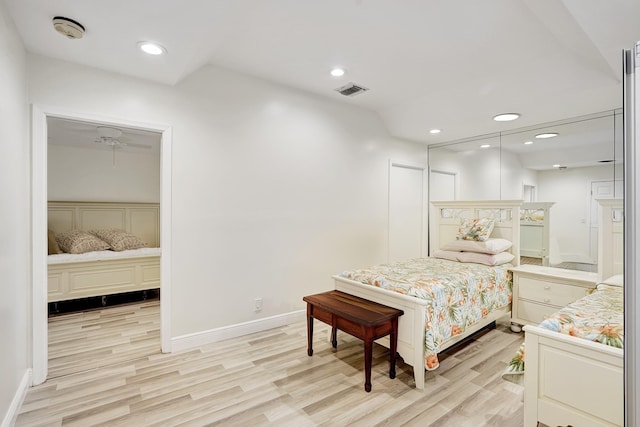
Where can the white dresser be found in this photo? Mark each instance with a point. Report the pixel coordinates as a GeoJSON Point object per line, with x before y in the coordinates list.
{"type": "Point", "coordinates": [539, 291]}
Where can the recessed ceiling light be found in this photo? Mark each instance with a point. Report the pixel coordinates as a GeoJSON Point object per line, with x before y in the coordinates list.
{"type": "Point", "coordinates": [152, 48]}
{"type": "Point", "coordinates": [556, 165]}
{"type": "Point", "coordinates": [528, 142]}
{"type": "Point", "coordinates": [337, 72]}
{"type": "Point", "coordinates": [434, 131]}
{"type": "Point", "coordinates": [506, 117]}
{"type": "Point", "coordinates": [547, 135]}
{"type": "Point", "coordinates": [485, 146]}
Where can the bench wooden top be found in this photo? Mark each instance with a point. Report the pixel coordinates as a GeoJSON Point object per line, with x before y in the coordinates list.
{"type": "Point", "coordinates": [355, 309]}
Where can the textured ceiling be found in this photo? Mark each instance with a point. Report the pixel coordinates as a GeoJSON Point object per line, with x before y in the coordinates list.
{"type": "Point", "coordinates": [428, 63]}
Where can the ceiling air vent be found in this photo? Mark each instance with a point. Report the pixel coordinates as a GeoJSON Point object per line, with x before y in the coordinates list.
{"type": "Point", "coordinates": [351, 89]}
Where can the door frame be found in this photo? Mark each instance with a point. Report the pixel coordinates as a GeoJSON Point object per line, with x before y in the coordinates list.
{"type": "Point", "coordinates": [39, 311]}
{"type": "Point", "coordinates": [424, 247]}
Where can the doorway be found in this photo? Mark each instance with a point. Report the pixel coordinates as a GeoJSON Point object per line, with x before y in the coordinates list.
{"type": "Point", "coordinates": [609, 189]}
{"type": "Point", "coordinates": [407, 213]}
{"type": "Point", "coordinates": [40, 115]}
{"type": "Point", "coordinates": [103, 304]}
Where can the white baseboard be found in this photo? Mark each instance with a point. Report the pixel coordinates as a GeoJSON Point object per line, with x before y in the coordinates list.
{"type": "Point", "coordinates": [18, 398]}
{"type": "Point", "coordinates": [185, 342]}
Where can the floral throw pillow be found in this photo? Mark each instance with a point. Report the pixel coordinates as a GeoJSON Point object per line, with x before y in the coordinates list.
{"type": "Point", "coordinates": [119, 240]}
{"type": "Point", "coordinates": [476, 229]}
{"type": "Point", "coordinates": [79, 242]}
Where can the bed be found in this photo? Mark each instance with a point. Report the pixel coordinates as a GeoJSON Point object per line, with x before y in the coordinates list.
{"type": "Point", "coordinates": [534, 230]}
{"type": "Point", "coordinates": [445, 221]}
{"type": "Point", "coordinates": [105, 272]}
{"type": "Point", "coordinates": [557, 364]}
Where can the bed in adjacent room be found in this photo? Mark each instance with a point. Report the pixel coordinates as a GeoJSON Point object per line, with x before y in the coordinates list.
{"type": "Point", "coordinates": [464, 286]}
{"type": "Point", "coordinates": [100, 249]}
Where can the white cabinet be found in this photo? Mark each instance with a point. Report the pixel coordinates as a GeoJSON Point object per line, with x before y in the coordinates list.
{"type": "Point", "coordinates": [540, 291]}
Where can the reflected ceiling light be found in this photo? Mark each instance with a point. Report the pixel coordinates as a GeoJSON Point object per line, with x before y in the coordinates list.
{"type": "Point", "coordinates": [556, 165]}
{"type": "Point", "coordinates": [152, 48]}
{"type": "Point", "coordinates": [435, 131]}
{"type": "Point", "coordinates": [547, 135]}
{"type": "Point", "coordinates": [485, 146]}
{"type": "Point", "coordinates": [528, 142]}
{"type": "Point", "coordinates": [506, 117]}
{"type": "Point", "coordinates": [338, 72]}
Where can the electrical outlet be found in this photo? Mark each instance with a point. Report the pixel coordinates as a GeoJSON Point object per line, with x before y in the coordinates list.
{"type": "Point", "coordinates": [257, 306]}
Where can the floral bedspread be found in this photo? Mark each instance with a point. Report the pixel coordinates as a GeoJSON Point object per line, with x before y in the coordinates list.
{"type": "Point", "coordinates": [459, 294]}
{"type": "Point", "coordinates": [597, 317]}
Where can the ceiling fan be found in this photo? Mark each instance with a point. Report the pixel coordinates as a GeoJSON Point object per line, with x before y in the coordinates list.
{"type": "Point", "coordinates": [111, 136]}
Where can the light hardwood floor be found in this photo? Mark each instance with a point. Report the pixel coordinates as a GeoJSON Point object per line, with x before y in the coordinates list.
{"type": "Point", "coordinates": [95, 338]}
{"type": "Point", "coordinates": [267, 379]}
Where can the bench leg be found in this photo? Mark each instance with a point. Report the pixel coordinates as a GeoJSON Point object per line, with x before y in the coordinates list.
{"type": "Point", "coordinates": [309, 329]}
{"type": "Point", "coordinates": [393, 348]}
{"type": "Point", "coordinates": [368, 355]}
{"type": "Point", "coordinates": [334, 337]}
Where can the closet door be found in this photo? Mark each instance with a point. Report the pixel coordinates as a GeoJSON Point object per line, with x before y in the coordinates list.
{"type": "Point", "coordinates": [407, 217]}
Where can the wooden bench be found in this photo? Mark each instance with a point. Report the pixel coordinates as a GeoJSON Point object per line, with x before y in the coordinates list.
{"type": "Point", "coordinates": [356, 316]}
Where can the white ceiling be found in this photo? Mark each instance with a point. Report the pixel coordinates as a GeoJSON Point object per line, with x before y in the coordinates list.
{"type": "Point", "coordinates": [428, 63]}
{"type": "Point", "coordinates": [87, 135]}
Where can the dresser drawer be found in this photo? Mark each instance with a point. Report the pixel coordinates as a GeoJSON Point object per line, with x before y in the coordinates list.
{"type": "Point", "coordinates": [550, 293]}
{"type": "Point", "coordinates": [533, 312]}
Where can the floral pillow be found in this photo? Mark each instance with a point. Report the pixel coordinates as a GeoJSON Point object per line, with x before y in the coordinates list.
{"type": "Point", "coordinates": [52, 244]}
{"type": "Point", "coordinates": [79, 242]}
{"type": "Point", "coordinates": [119, 240]}
{"type": "Point", "coordinates": [476, 229]}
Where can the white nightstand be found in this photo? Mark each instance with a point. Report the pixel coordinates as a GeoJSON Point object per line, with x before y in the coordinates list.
{"type": "Point", "coordinates": [540, 291]}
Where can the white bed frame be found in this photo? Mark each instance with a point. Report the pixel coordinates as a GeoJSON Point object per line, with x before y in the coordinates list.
{"type": "Point", "coordinates": [444, 220]}
{"type": "Point", "coordinates": [534, 234]}
{"type": "Point", "coordinates": [571, 380]}
{"type": "Point", "coordinates": [83, 279]}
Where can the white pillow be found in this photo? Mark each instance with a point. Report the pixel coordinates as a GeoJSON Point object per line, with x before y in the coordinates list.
{"type": "Point", "coordinates": [475, 257]}
{"type": "Point", "coordinates": [491, 246]}
{"type": "Point", "coordinates": [450, 255]}
{"type": "Point", "coordinates": [617, 280]}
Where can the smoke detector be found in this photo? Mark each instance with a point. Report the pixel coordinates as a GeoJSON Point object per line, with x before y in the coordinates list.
{"type": "Point", "coordinates": [68, 27]}
{"type": "Point", "coordinates": [351, 89]}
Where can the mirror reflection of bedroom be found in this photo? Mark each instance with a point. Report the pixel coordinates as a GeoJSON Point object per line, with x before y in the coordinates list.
{"type": "Point", "coordinates": [561, 171]}
{"type": "Point", "coordinates": [568, 289]}
{"type": "Point", "coordinates": [104, 245]}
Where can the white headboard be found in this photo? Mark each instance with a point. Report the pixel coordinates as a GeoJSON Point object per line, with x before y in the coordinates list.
{"type": "Point", "coordinates": [611, 238]}
{"type": "Point", "coordinates": [446, 218]}
{"type": "Point", "coordinates": [140, 219]}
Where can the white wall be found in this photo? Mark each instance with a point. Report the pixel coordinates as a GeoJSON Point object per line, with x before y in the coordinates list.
{"type": "Point", "coordinates": [483, 173]}
{"type": "Point", "coordinates": [14, 215]}
{"type": "Point", "coordinates": [570, 218]}
{"type": "Point", "coordinates": [514, 176]}
{"type": "Point", "coordinates": [90, 174]}
{"type": "Point", "coordinates": [274, 190]}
